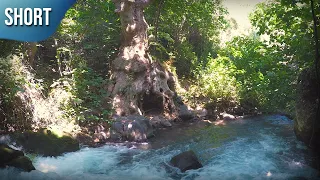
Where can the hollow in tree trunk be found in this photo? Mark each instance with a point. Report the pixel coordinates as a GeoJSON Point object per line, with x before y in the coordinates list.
{"type": "Point", "coordinates": [140, 85]}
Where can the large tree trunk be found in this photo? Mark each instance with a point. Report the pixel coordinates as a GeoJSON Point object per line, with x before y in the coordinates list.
{"type": "Point", "coordinates": [140, 85]}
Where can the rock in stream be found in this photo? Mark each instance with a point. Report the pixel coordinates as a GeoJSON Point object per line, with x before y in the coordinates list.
{"type": "Point", "coordinates": [14, 158]}
{"type": "Point", "coordinates": [186, 161]}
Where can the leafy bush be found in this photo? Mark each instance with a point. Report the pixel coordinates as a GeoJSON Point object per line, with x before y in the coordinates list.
{"type": "Point", "coordinates": [89, 100]}
{"type": "Point", "coordinates": [86, 47]}
{"type": "Point", "coordinates": [10, 78]}
{"type": "Point", "coordinates": [215, 84]}
{"type": "Point", "coordinates": [218, 81]}
{"type": "Point", "coordinates": [265, 80]}
{"type": "Point", "coordinates": [185, 60]}
{"type": "Point", "coordinates": [247, 73]}
{"type": "Point", "coordinates": [15, 106]}
{"type": "Point", "coordinates": [94, 39]}
{"type": "Point", "coordinates": [7, 47]}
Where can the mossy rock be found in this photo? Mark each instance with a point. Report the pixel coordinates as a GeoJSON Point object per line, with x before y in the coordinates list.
{"type": "Point", "coordinates": [7, 154]}
{"type": "Point", "coordinates": [14, 158]}
{"type": "Point", "coordinates": [46, 143]}
{"type": "Point", "coordinates": [22, 162]}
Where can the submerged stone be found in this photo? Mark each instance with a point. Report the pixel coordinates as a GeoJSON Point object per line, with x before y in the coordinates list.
{"type": "Point", "coordinates": [186, 161]}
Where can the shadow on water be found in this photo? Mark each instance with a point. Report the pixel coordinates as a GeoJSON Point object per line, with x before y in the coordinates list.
{"type": "Point", "coordinates": [257, 148]}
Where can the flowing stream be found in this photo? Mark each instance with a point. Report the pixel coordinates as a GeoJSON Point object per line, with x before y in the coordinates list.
{"type": "Point", "coordinates": [258, 148]}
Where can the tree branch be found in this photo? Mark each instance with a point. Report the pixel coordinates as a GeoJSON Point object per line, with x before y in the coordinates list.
{"type": "Point", "coordinates": [121, 4]}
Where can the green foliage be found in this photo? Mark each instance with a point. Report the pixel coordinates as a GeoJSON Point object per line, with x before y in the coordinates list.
{"type": "Point", "coordinates": [89, 97]}
{"type": "Point", "coordinates": [10, 78]}
{"type": "Point", "coordinates": [266, 82]}
{"type": "Point", "coordinates": [91, 29]}
{"type": "Point", "coordinates": [7, 47]}
{"type": "Point", "coordinates": [262, 73]}
{"type": "Point", "coordinates": [217, 80]}
{"type": "Point", "coordinates": [86, 47]}
{"type": "Point", "coordinates": [290, 27]}
{"type": "Point", "coordinates": [185, 31]}
{"type": "Point", "coordinates": [250, 71]}
{"type": "Point", "coordinates": [15, 112]}
{"type": "Point", "coordinates": [185, 59]}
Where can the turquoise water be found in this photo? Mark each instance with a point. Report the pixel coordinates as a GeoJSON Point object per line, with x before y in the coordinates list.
{"type": "Point", "coordinates": [258, 148]}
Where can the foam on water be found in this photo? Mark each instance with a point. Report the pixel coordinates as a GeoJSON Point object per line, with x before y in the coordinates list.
{"type": "Point", "coordinates": [263, 148]}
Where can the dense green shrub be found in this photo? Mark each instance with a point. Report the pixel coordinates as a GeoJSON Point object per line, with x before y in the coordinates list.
{"type": "Point", "coordinates": [265, 81]}
{"type": "Point", "coordinates": [89, 98]}
{"type": "Point", "coordinates": [247, 73]}
{"type": "Point", "coordinates": [217, 80]}
{"type": "Point", "coordinates": [15, 109]}
{"type": "Point", "coordinates": [7, 47]}
{"type": "Point", "coordinates": [86, 47]}
{"type": "Point", "coordinates": [10, 78]}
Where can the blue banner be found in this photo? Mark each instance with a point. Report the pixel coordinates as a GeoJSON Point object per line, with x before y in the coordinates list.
{"type": "Point", "coordinates": [31, 20]}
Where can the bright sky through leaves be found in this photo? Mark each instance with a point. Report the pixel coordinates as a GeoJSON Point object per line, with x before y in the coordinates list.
{"type": "Point", "coordinates": [240, 10]}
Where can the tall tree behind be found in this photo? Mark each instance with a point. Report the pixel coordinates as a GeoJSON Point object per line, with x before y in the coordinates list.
{"type": "Point", "coordinates": [139, 83]}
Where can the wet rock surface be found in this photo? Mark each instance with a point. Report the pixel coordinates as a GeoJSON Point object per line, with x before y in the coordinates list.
{"type": "Point", "coordinates": [45, 142]}
{"type": "Point", "coordinates": [14, 158]}
{"type": "Point", "coordinates": [131, 128]}
{"type": "Point", "coordinates": [159, 121]}
{"type": "Point", "coordinates": [185, 113]}
{"type": "Point", "coordinates": [186, 161]}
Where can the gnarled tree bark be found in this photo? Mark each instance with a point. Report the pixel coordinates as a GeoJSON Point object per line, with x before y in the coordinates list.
{"type": "Point", "coordinates": [140, 85]}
